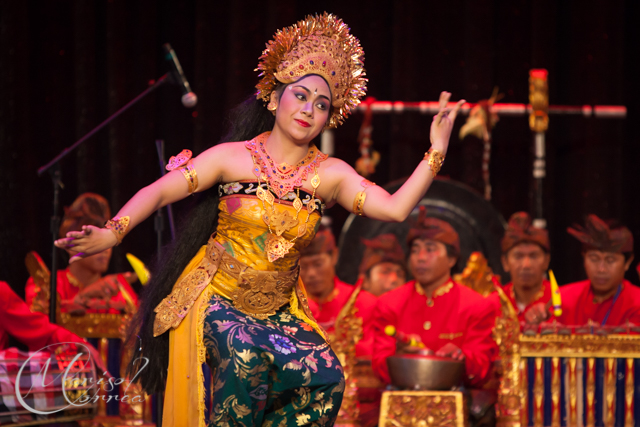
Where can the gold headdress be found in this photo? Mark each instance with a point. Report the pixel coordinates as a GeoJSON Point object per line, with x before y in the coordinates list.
{"type": "Point", "coordinates": [320, 45]}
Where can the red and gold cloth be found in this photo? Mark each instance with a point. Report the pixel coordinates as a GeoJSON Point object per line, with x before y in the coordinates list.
{"type": "Point", "coordinates": [430, 228]}
{"type": "Point", "coordinates": [521, 230]}
{"type": "Point", "coordinates": [455, 314]}
{"type": "Point", "coordinates": [382, 248]}
{"type": "Point", "coordinates": [68, 287]}
{"type": "Point", "coordinates": [326, 312]}
{"type": "Point", "coordinates": [32, 329]}
{"type": "Point", "coordinates": [543, 296]}
{"type": "Point", "coordinates": [323, 242]}
{"type": "Point", "coordinates": [601, 236]}
{"type": "Point", "coordinates": [579, 308]}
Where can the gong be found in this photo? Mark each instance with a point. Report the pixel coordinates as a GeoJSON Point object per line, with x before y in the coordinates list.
{"type": "Point", "coordinates": [479, 225]}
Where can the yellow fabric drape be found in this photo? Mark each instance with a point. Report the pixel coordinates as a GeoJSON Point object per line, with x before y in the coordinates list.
{"type": "Point", "coordinates": [185, 381]}
{"type": "Point", "coordinates": [182, 395]}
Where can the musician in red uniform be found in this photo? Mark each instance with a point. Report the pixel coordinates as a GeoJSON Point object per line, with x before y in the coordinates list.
{"type": "Point", "coordinates": [605, 298]}
{"type": "Point", "coordinates": [525, 256]}
{"type": "Point", "coordinates": [81, 286]}
{"type": "Point", "coordinates": [328, 295]}
{"type": "Point", "coordinates": [450, 319]}
{"type": "Point", "coordinates": [382, 268]}
{"type": "Point", "coordinates": [33, 329]}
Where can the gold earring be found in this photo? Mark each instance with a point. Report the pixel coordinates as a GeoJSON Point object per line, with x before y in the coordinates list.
{"type": "Point", "coordinates": [272, 106]}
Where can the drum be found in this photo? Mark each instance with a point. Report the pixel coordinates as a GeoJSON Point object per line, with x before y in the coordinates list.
{"type": "Point", "coordinates": [46, 387]}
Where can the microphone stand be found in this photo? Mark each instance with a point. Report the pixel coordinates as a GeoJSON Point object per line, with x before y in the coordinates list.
{"type": "Point", "coordinates": [56, 175]}
{"type": "Point", "coordinates": [159, 220]}
{"type": "Point", "coordinates": [159, 227]}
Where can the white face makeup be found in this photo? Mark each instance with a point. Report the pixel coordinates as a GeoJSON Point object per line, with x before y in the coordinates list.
{"type": "Point", "coordinates": [303, 109]}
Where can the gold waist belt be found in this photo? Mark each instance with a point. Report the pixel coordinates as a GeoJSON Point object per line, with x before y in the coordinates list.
{"type": "Point", "coordinates": [259, 293]}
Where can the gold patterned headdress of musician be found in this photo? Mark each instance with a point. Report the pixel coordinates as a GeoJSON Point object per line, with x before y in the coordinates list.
{"type": "Point", "coordinates": [322, 45]}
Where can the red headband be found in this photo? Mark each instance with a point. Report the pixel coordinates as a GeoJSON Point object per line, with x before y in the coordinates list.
{"type": "Point", "coordinates": [384, 248]}
{"type": "Point", "coordinates": [321, 243]}
{"type": "Point", "coordinates": [87, 209]}
{"type": "Point", "coordinates": [520, 230]}
{"type": "Point", "coordinates": [433, 229]}
{"type": "Point", "coordinates": [598, 235]}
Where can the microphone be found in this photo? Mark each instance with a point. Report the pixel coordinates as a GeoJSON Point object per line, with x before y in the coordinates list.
{"type": "Point", "coordinates": [189, 99]}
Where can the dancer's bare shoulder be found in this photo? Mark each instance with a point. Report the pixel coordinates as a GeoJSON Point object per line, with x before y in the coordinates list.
{"type": "Point", "coordinates": [229, 161]}
{"type": "Point", "coordinates": [332, 172]}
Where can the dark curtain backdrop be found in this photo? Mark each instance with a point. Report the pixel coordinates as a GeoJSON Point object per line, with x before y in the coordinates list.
{"type": "Point", "coordinates": [67, 65]}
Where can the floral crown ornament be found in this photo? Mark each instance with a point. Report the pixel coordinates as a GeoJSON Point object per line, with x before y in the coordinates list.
{"type": "Point", "coordinates": [322, 45]}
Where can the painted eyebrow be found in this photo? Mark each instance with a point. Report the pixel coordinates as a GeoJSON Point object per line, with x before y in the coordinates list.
{"type": "Point", "coordinates": [309, 92]}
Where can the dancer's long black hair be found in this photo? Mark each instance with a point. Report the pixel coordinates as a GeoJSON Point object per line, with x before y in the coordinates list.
{"type": "Point", "coordinates": [247, 120]}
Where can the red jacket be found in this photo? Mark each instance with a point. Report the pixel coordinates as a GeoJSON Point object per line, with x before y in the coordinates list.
{"type": "Point", "coordinates": [578, 307]}
{"type": "Point", "coordinates": [328, 310]}
{"type": "Point", "coordinates": [543, 296]}
{"type": "Point", "coordinates": [32, 329]}
{"type": "Point", "coordinates": [456, 314]}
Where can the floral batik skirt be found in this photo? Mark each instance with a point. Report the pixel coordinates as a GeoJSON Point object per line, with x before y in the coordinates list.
{"type": "Point", "coordinates": [275, 372]}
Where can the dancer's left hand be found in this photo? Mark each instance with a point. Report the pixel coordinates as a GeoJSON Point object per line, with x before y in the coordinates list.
{"type": "Point", "coordinates": [443, 123]}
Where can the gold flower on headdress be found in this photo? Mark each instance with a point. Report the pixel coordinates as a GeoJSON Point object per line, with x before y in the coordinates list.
{"type": "Point", "coordinates": [320, 45]}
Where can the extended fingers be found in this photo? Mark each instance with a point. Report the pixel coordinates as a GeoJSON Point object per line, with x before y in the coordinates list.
{"type": "Point", "coordinates": [444, 99]}
{"type": "Point", "coordinates": [454, 112]}
{"type": "Point", "coordinates": [76, 234]}
{"type": "Point", "coordinates": [66, 242]}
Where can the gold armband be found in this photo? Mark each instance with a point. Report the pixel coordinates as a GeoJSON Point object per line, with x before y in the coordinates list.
{"type": "Point", "coordinates": [189, 173]}
{"type": "Point", "coordinates": [118, 226]}
{"type": "Point", "coordinates": [435, 159]}
{"type": "Point", "coordinates": [183, 162]}
{"type": "Point", "coordinates": [358, 202]}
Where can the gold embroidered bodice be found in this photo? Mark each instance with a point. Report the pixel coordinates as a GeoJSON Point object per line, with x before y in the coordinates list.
{"type": "Point", "coordinates": [243, 233]}
{"type": "Point", "coordinates": [236, 265]}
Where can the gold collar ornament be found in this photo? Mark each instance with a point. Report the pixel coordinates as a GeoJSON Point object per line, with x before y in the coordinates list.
{"type": "Point", "coordinates": [281, 180]}
{"type": "Point", "coordinates": [321, 45]}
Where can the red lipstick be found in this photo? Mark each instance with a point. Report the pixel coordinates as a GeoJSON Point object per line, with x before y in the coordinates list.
{"type": "Point", "coordinates": [302, 123]}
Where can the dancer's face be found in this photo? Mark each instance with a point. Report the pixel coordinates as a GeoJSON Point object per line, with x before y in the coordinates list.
{"type": "Point", "coordinates": [303, 108]}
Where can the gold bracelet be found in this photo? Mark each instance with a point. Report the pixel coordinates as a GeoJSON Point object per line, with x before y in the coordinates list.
{"type": "Point", "coordinates": [435, 160]}
{"type": "Point", "coordinates": [358, 202]}
{"type": "Point", "coordinates": [118, 226]}
{"type": "Point", "coordinates": [191, 176]}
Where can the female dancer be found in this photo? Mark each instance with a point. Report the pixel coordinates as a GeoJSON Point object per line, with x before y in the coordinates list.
{"type": "Point", "coordinates": [233, 298]}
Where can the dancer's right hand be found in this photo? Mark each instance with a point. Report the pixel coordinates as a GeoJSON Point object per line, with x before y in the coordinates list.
{"type": "Point", "coordinates": [91, 240]}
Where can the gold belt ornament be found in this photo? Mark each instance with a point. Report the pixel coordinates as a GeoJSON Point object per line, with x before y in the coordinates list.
{"type": "Point", "coordinates": [259, 293]}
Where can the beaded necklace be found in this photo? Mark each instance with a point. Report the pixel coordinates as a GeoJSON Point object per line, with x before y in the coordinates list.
{"type": "Point", "coordinates": [283, 177]}
{"type": "Point", "coordinates": [281, 180]}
